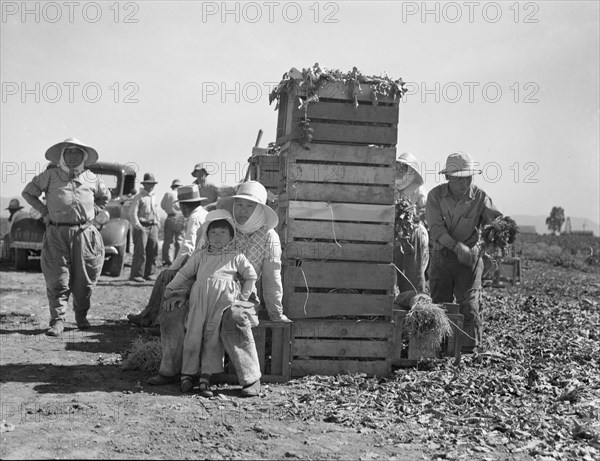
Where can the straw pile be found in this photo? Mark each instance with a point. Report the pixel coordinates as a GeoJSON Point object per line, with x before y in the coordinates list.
{"type": "Point", "coordinates": [144, 355]}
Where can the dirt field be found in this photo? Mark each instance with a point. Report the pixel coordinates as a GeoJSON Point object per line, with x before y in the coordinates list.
{"type": "Point", "coordinates": [68, 398]}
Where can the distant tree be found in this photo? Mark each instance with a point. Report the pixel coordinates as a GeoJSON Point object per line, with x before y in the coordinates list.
{"type": "Point", "coordinates": [556, 219]}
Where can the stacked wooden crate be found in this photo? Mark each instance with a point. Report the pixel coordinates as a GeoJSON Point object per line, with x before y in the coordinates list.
{"type": "Point", "coordinates": [336, 210]}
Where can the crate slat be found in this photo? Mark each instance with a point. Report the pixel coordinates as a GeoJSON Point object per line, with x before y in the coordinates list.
{"type": "Point", "coordinates": [346, 134]}
{"type": "Point", "coordinates": [333, 367]}
{"type": "Point", "coordinates": [341, 275]}
{"type": "Point", "coordinates": [342, 329]}
{"type": "Point", "coordinates": [330, 251]}
{"type": "Point", "coordinates": [327, 173]}
{"type": "Point", "coordinates": [365, 232]}
{"type": "Point", "coordinates": [340, 348]}
{"type": "Point", "coordinates": [324, 211]}
{"type": "Point", "coordinates": [321, 305]}
{"type": "Point", "coordinates": [345, 110]}
{"type": "Point", "coordinates": [335, 153]}
{"type": "Point", "coordinates": [348, 193]}
{"type": "Point", "coordinates": [343, 91]}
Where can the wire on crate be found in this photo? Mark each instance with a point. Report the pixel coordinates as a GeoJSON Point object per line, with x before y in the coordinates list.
{"type": "Point", "coordinates": [333, 224]}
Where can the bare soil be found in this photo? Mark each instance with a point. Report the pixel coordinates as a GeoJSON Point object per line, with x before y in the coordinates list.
{"type": "Point", "coordinates": [69, 398]}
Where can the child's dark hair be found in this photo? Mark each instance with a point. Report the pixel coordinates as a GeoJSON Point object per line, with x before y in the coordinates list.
{"type": "Point", "coordinates": [221, 224]}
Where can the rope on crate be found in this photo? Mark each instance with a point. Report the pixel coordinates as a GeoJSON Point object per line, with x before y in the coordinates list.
{"type": "Point", "coordinates": [307, 290]}
{"type": "Point", "coordinates": [333, 224]}
{"type": "Point", "coordinates": [402, 273]}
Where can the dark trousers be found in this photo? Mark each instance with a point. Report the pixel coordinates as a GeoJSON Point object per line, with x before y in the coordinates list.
{"type": "Point", "coordinates": [145, 251]}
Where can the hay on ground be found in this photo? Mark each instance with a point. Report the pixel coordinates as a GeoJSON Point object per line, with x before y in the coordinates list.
{"type": "Point", "coordinates": [144, 355]}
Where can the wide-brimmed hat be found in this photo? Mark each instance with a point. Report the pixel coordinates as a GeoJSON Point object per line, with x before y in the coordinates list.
{"type": "Point", "coordinates": [53, 154]}
{"type": "Point", "coordinates": [149, 179]}
{"type": "Point", "coordinates": [409, 159]}
{"type": "Point", "coordinates": [460, 164]}
{"type": "Point", "coordinates": [176, 183]}
{"type": "Point", "coordinates": [199, 166]}
{"type": "Point", "coordinates": [189, 194]}
{"type": "Point", "coordinates": [14, 204]}
{"type": "Point", "coordinates": [254, 192]}
{"type": "Point", "coordinates": [217, 215]}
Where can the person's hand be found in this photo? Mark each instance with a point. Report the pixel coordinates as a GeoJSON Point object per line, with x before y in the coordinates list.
{"type": "Point", "coordinates": [173, 303]}
{"type": "Point", "coordinates": [420, 298]}
{"type": "Point", "coordinates": [467, 256]}
{"type": "Point", "coordinates": [279, 318]}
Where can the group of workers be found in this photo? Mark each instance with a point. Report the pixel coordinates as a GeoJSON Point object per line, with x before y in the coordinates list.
{"type": "Point", "coordinates": [442, 259]}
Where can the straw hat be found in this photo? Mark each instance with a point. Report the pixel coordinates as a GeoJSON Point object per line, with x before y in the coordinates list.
{"type": "Point", "coordinates": [189, 194]}
{"type": "Point", "coordinates": [409, 159]}
{"type": "Point", "coordinates": [217, 215]}
{"type": "Point", "coordinates": [53, 154]}
{"type": "Point", "coordinates": [460, 164]}
{"type": "Point", "coordinates": [14, 204]}
{"type": "Point", "coordinates": [176, 183]}
{"type": "Point", "coordinates": [254, 192]}
{"type": "Point", "coordinates": [149, 179]}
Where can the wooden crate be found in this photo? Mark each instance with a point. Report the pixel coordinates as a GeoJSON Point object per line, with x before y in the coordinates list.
{"type": "Point", "coordinates": [329, 347]}
{"type": "Point", "coordinates": [508, 273]}
{"type": "Point", "coordinates": [338, 173]}
{"type": "Point", "coordinates": [335, 119]}
{"type": "Point", "coordinates": [273, 344]}
{"type": "Point", "coordinates": [406, 352]}
{"type": "Point", "coordinates": [314, 290]}
{"type": "Point", "coordinates": [265, 170]}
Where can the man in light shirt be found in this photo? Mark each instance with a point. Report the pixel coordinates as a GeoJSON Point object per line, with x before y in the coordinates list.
{"type": "Point", "coordinates": [144, 221]}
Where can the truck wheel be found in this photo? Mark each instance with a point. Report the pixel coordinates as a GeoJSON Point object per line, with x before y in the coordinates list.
{"type": "Point", "coordinates": [21, 259]}
{"type": "Point", "coordinates": [116, 262]}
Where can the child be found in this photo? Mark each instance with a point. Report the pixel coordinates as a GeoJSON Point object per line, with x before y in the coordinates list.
{"type": "Point", "coordinates": [214, 268]}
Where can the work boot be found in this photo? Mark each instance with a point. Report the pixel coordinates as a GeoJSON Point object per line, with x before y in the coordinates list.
{"type": "Point", "coordinates": [83, 324]}
{"type": "Point", "coordinates": [135, 318]}
{"type": "Point", "coordinates": [251, 390]}
{"type": "Point", "coordinates": [138, 279]}
{"type": "Point", "coordinates": [56, 329]}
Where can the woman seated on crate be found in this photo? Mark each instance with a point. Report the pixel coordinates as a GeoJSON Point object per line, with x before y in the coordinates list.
{"type": "Point", "coordinates": [257, 240]}
{"type": "Point", "coordinates": [411, 241]}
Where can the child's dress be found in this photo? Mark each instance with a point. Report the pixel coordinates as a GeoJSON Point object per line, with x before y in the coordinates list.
{"type": "Point", "coordinates": [215, 289]}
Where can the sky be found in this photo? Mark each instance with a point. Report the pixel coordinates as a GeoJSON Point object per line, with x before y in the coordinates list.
{"type": "Point", "coordinates": [163, 85]}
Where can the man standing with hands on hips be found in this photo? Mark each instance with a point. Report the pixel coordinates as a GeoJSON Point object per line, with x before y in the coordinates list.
{"type": "Point", "coordinates": [73, 250]}
{"type": "Point", "coordinates": [173, 224]}
{"type": "Point", "coordinates": [456, 212]}
{"type": "Point", "coordinates": [144, 221]}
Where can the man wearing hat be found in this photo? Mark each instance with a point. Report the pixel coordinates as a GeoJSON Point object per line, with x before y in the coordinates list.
{"type": "Point", "coordinates": [143, 216]}
{"type": "Point", "coordinates": [207, 190]}
{"type": "Point", "coordinates": [173, 224]}
{"type": "Point", "coordinates": [456, 212]}
{"type": "Point", "coordinates": [411, 251]}
{"type": "Point", "coordinates": [190, 202]}
{"type": "Point", "coordinates": [72, 249]}
{"type": "Point", "coordinates": [15, 214]}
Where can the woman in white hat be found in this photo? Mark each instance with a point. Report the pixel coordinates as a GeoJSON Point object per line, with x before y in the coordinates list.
{"type": "Point", "coordinates": [256, 238]}
{"type": "Point", "coordinates": [73, 250]}
{"type": "Point", "coordinates": [456, 212]}
{"type": "Point", "coordinates": [411, 241]}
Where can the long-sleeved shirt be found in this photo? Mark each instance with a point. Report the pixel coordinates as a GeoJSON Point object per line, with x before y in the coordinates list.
{"type": "Point", "coordinates": [192, 236]}
{"type": "Point", "coordinates": [144, 210]}
{"type": "Point", "coordinates": [454, 219]}
{"type": "Point", "coordinates": [167, 202]}
{"type": "Point", "coordinates": [68, 200]}
{"type": "Point", "coordinates": [208, 190]}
